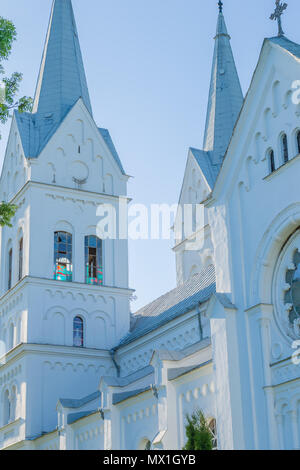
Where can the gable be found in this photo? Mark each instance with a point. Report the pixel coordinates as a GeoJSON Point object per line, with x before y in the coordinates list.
{"type": "Point", "coordinates": [81, 156]}
{"type": "Point", "coordinates": [14, 172]}
{"type": "Point", "coordinates": [248, 196]}
{"type": "Point", "coordinates": [267, 112]}
{"type": "Point", "coordinates": [37, 131]}
{"type": "Point", "coordinates": [197, 179]}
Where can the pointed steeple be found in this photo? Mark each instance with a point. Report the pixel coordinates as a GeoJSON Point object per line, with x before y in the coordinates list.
{"type": "Point", "coordinates": [61, 80]}
{"type": "Point", "coordinates": [225, 95]}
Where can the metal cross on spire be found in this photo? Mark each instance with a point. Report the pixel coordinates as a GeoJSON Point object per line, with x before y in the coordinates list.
{"type": "Point", "coordinates": [220, 6]}
{"type": "Point", "coordinates": [280, 7]}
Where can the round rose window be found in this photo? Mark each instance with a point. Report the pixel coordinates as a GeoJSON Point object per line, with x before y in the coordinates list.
{"type": "Point", "coordinates": [286, 288]}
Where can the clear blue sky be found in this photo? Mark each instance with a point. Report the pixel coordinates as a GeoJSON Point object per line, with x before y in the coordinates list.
{"type": "Point", "coordinates": [148, 69]}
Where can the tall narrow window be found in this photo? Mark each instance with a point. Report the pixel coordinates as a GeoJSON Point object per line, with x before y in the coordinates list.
{"type": "Point", "coordinates": [13, 404]}
{"type": "Point", "coordinates": [63, 256]}
{"type": "Point", "coordinates": [11, 336]}
{"type": "Point", "coordinates": [93, 260]}
{"type": "Point", "coordinates": [272, 161]}
{"type": "Point", "coordinates": [10, 259]}
{"type": "Point", "coordinates": [298, 141]}
{"type": "Point", "coordinates": [6, 408]}
{"type": "Point", "coordinates": [285, 149]}
{"type": "Point", "coordinates": [20, 258]}
{"type": "Point", "coordinates": [78, 332]}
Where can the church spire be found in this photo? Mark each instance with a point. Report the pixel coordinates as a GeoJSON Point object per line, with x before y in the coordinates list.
{"type": "Point", "coordinates": [61, 80]}
{"type": "Point", "coordinates": [225, 95]}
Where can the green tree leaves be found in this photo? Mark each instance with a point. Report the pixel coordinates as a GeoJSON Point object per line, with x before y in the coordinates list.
{"type": "Point", "coordinates": [7, 211]}
{"type": "Point", "coordinates": [8, 101]}
{"type": "Point", "coordinates": [11, 84]}
{"type": "Point", "coordinates": [8, 35]}
{"type": "Point", "coordinates": [199, 435]}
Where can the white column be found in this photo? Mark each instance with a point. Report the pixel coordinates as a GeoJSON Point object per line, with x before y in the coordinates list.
{"type": "Point", "coordinates": [107, 431]}
{"type": "Point", "coordinates": [78, 257]}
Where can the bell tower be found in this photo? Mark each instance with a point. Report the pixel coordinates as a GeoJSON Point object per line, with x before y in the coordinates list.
{"type": "Point", "coordinates": [64, 291]}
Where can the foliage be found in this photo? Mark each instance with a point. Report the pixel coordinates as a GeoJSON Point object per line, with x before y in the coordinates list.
{"type": "Point", "coordinates": [7, 211]}
{"type": "Point", "coordinates": [8, 35]}
{"type": "Point", "coordinates": [10, 85]}
{"type": "Point", "coordinates": [199, 435]}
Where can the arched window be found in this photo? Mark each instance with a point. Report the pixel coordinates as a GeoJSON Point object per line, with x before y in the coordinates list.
{"type": "Point", "coordinates": [10, 261]}
{"type": "Point", "coordinates": [6, 408]}
{"type": "Point", "coordinates": [20, 258]}
{"type": "Point", "coordinates": [298, 141]}
{"type": "Point", "coordinates": [11, 342]}
{"type": "Point", "coordinates": [63, 256]}
{"type": "Point", "coordinates": [13, 404]}
{"type": "Point", "coordinates": [213, 429]}
{"type": "Point", "coordinates": [285, 149]}
{"type": "Point", "coordinates": [272, 166]}
{"type": "Point", "coordinates": [93, 260]}
{"type": "Point", "coordinates": [78, 333]}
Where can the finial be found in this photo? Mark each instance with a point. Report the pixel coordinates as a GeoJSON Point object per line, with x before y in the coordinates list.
{"type": "Point", "coordinates": [220, 6]}
{"type": "Point", "coordinates": [280, 7]}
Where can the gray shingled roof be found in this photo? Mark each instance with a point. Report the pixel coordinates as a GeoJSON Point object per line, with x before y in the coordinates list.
{"type": "Point", "coordinates": [61, 83]}
{"type": "Point", "coordinates": [168, 307]}
{"type": "Point", "coordinates": [73, 417]}
{"type": "Point", "coordinates": [179, 372]}
{"type": "Point", "coordinates": [178, 355]}
{"type": "Point", "coordinates": [290, 46]}
{"type": "Point", "coordinates": [225, 301]}
{"type": "Point", "coordinates": [225, 96]}
{"type": "Point", "coordinates": [204, 161]}
{"type": "Point", "coordinates": [125, 381]}
{"type": "Point", "coordinates": [120, 397]}
{"type": "Point", "coordinates": [108, 140]}
{"type": "Point", "coordinates": [62, 79]}
{"type": "Point", "coordinates": [78, 403]}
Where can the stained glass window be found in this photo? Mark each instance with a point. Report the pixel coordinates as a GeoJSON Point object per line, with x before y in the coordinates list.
{"type": "Point", "coordinates": [285, 149]}
{"type": "Point", "coordinates": [272, 161]}
{"type": "Point", "coordinates": [78, 332]}
{"type": "Point", "coordinates": [20, 258]}
{"type": "Point", "coordinates": [63, 256]}
{"type": "Point", "coordinates": [296, 288]}
{"type": "Point", "coordinates": [93, 260]}
{"type": "Point", "coordinates": [292, 295]}
{"type": "Point", "coordinates": [10, 258]}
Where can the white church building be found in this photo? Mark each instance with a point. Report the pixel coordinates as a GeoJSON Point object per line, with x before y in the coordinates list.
{"type": "Point", "coordinates": [78, 370]}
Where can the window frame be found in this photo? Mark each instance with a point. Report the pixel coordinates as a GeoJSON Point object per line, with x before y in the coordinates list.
{"type": "Point", "coordinates": [271, 161]}
{"type": "Point", "coordinates": [10, 268]}
{"type": "Point", "coordinates": [298, 141]}
{"type": "Point", "coordinates": [67, 275]}
{"type": "Point", "coordinates": [20, 258]}
{"type": "Point", "coordinates": [92, 242]}
{"type": "Point", "coordinates": [6, 407]}
{"type": "Point", "coordinates": [78, 318]}
{"type": "Point", "coordinates": [284, 148]}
